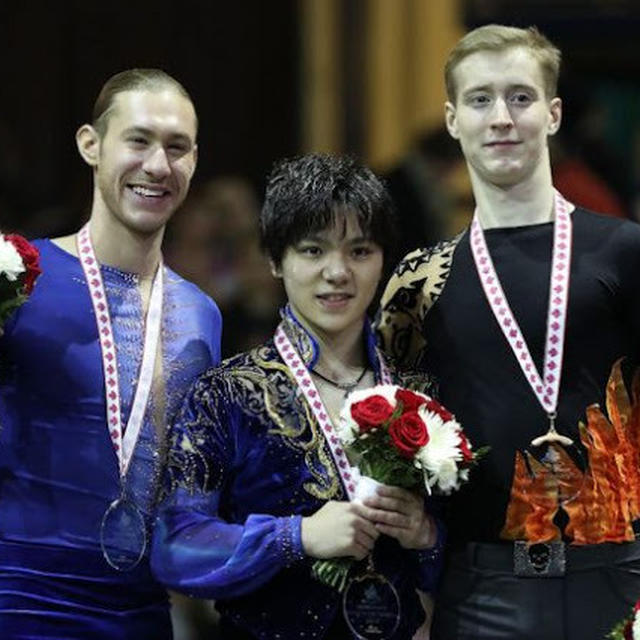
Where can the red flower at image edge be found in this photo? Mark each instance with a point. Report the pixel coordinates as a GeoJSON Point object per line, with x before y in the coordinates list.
{"type": "Point", "coordinates": [627, 632]}
{"type": "Point", "coordinates": [30, 257]}
{"type": "Point", "coordinates": [408, 433]}
{"type": "Point", "coordinates": [371, 412]}
{"type": "Point", "coordinates": [410, 400]}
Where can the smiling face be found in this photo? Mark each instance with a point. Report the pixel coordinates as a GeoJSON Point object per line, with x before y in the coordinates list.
{"type": "Point", "coordinates": [144, 162]}
{"type": "Point", "coordinates": [502, 116]}
{"type": "Point", "coordinates": [331, 276]}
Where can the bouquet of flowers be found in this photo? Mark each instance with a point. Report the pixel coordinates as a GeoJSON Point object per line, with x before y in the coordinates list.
{"type": "Point", "coordinates": [629, 628]}
{"type": "Point", "coordinates": [19, 269]}
{"type": "Point", "coordinates": [402, 438]}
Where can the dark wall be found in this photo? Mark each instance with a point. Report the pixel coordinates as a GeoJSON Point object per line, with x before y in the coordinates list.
{"type": "Point", "coordinates": [237, 59]}
{"type": "Point", "coordinates": [598, 36]}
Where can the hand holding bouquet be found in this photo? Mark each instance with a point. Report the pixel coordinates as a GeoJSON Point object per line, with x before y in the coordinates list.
{"type": "Point", "coordinates": [401, 438]}
{"type": "Point", "coordinates": [629, 628]}
{"type": "Point", "coordinates": [19, 269]}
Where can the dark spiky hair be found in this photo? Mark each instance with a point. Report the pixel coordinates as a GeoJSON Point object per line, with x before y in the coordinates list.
{"type": "Point", "coordinates": [305, 194]}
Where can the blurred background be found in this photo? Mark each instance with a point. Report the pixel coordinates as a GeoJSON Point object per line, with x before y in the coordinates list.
{"type": "Point", "coordinates": [273, 78]}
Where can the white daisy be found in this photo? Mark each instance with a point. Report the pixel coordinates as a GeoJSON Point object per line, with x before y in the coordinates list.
{"type": "Point", "coordinates": [347, 428]}
{"type": "Point", "coordinates": [11, 265]}
{"type": "Point", "coordinates": [439, 456]}
{"type": "Point", "coordinates": [447, 478]}
{"type": "Point", "coordinates": [444, 439]}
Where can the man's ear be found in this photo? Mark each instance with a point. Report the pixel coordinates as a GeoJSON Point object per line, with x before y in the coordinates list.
{"type": "Point", "coordinates": [450, 119]}
{"type": "Point", "coordinates": [276, 272]}
{"type": "Point", "coordinates": [195, 160]}
{"type": "Point", "coordinates": [88, 143]}
{"type": "Point", "coordinates": [555, 110]}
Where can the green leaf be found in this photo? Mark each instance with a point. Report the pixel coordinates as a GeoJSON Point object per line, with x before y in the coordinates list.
{"type": "Point", "coordinates": [9, 305]}
{"type": "Point", "coordinates": [333, 573]}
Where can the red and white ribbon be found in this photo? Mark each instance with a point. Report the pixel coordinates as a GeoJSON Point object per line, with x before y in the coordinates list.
{"type": "Point", "coordinates": [123, 442]}
{"type": "Point", "coordinates": [304, 381]}
{"type": "Point", "coordinates": [545, 386]}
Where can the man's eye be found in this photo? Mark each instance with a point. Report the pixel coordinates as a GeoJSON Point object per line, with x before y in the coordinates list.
{"type": "Point", "coordinates": [521, 98]}
{"type": "Point", "coordinates": [309, 250]}
{"type": "Point", "coordinates": [362, 252]}
{"type": "Point", "coordinates": [479, 100]}
{"type": "Point", "coordinates": [138, 140]}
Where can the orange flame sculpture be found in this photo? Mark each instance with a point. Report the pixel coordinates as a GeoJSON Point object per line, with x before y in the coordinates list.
{"type": "Point", "coordinates": [600, 503]}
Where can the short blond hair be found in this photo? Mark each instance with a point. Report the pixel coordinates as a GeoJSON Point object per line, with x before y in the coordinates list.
{"type": "Point", "coordinates": [497, 37]}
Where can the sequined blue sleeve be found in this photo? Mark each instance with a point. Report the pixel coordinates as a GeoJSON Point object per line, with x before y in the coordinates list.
{"type": "Point", "coordinates": [194, 549]}
{"type": "Point", "coordinates": [429, 561]}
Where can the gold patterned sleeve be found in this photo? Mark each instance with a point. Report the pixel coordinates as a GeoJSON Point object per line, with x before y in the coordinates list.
{"type": "Point", "coordinates": [412, 290]}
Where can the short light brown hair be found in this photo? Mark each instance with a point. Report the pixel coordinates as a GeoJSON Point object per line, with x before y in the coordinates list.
{"type": "Point", "coordinates": [131, 80]}
{"type": "Point", "coordinates": [497, 37]}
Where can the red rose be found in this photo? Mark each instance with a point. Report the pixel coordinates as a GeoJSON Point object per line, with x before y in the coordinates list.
{"type": "Point", "coordinates": [438, 409]}
{"type": "Point", "coordinates": [465, 447]}
{"type": "Point", "coordinates": [30, 258]}
{"type": "Point", "coordinates": [371, 412]}
{"type": "Point", "coordinates": [408, 433]}
{"type": "Point", "coordinates": [410, 400]}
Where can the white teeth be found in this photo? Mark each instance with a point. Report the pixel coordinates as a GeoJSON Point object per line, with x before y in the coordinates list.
{"type": "Point", "coordinates": [149, 193]}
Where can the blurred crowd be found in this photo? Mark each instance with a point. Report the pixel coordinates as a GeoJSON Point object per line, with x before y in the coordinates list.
{"type": "Point", "coordinates": [214, 241]}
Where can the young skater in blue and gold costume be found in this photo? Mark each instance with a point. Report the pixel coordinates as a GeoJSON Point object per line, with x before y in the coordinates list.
{"type": "Point", "coordinates": [254, 495]}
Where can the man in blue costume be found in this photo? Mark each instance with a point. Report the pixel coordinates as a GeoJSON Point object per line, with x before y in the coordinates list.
{"type": "Point", "coordinates": [522, 319]}
{"type": "Point", "coordinates": [256, 486]}
{"type": "Point", "coordinates": [93, 367]}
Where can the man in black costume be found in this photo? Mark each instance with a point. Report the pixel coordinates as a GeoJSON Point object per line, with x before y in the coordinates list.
{"type": "Point", "coordinates": [523, 319]}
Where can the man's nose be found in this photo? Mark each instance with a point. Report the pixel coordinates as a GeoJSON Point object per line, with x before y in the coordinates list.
{"type": "Point", "coordinates": [156, 163]}
{"type": "Point", "coordinates": [501, 115]}
{"type": "Point", "coordinates": [336, 268]}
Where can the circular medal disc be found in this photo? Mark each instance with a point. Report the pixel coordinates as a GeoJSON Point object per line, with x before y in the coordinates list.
{"type": "Point", "coordinates": [123, 535]}
{"type": "Point", "coordinates": [371, 607]}
{"type": "Point", "coordinates": [555, 470]}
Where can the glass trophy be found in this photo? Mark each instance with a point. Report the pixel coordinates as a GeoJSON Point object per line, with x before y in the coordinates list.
{"type": "Point", "coordinates": [371, 606]}
{"type": "Point", "coordinates": [123, 535]}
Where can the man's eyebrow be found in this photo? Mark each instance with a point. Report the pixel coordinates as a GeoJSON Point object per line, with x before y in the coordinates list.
{"type": "Point", "coordinates": [142, 130]}
{"type": "Point", "coordinates": [518, 86]}
{"type": "Point", "coordinates": [316, 237]}
{"type": "Point", "coordinates": [149, 132]}
{"type": "Point", "coordinates": [475, 88]}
